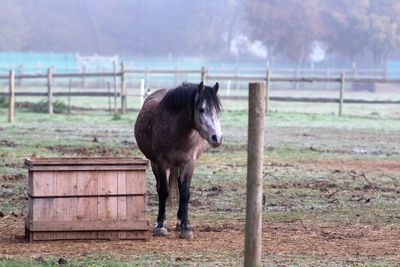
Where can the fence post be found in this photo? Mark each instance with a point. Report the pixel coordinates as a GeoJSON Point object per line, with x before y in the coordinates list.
{"type": "Point", "coordinates": [141, 92]}
{"type": "Point", "coordinates": [267, 89]}
{"type": "Point", "coordinates": [11, 96]}
{"type": "Point", "coordinates": [146, 78]}
{"type": "Point", "coordinates": [255, 153]}
{"type": "Point", "coordinates": [69, 95]}
{"type": "Point", "coordinates": [342, 84]}
{"type": "Point", "coordinates": [115, 86]}
{"type": "Point", "coordinates": [203, 74]}
{"type": "Point", "coordinates": [123, 90]}
{"type": "Point", "coordinates": [109, 96]}
{"type": "Point", "coordinates": [49, 90]}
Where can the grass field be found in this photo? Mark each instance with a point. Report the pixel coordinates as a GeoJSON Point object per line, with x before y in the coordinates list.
{"type": "Point", "coordinates": [331, 186]}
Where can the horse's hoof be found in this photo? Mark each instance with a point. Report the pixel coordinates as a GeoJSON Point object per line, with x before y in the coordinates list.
{"type": "Point", "coordinates": [186, 234]}
{"type": "Point", "coordinates": [160, 231]}
{"type": "Point", "coordinates": [178, 227]}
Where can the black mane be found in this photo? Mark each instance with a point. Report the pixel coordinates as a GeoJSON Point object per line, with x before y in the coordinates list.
{"type": "Point", "coordinates": [184, 96]}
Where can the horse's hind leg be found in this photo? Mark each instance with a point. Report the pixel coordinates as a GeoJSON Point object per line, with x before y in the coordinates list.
{"type": "Point", "coordinates": [185, 177]}
{"type": "Point", "coordinates": [162, 190]}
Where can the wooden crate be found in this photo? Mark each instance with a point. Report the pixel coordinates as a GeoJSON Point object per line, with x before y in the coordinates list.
{"type": "Point", "coordinates": [86, 198]}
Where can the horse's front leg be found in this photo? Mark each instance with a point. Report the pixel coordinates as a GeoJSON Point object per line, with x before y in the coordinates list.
{"type": "Point", "coordinates": [185, 177]}
{"type": "Point", "coordinates": [163, 192]}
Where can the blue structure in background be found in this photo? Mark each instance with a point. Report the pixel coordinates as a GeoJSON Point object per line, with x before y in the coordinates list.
{"type": "Point", "coordinates": [35, 61]}
{"type": "Point", "coordinates": [393, 67]}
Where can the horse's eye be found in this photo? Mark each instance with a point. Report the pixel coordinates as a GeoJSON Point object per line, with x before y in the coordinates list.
{"type": "Point", "coordinates": [201, 110]}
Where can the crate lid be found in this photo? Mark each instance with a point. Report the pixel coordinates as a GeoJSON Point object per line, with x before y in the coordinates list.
{"type": "Point", "coordinates": [109, 163]}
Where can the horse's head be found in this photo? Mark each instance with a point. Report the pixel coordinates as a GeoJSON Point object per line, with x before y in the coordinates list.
{"type": "Point", "coordinates": [206, 114]}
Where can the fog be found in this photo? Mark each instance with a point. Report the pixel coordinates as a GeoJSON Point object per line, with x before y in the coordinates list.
{"type": "Point", "coordinates": [295, 32]}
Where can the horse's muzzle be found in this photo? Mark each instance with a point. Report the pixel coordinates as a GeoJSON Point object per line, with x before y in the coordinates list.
{"type": "Point", "coordinates": [216, 140]}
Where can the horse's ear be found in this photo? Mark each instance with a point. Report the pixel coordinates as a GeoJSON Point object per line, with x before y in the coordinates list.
{"type": "Point", "coordinates": [200, 89]}
{"type": "Point", "coordinates": [216, 87]}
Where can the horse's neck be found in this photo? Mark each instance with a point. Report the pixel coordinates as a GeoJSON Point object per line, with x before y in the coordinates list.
{"type": "Point", "coordinates": [183, 123]}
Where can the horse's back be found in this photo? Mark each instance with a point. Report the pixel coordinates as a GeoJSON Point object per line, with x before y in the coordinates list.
{"type": "Point", "coordinates": [145, 121]}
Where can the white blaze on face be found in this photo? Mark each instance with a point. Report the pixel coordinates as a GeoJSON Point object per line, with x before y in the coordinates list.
{"type": "Point", "coordinates": [208, 124]}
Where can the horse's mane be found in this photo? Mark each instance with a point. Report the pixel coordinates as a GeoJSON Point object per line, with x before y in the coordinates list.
{"type": "Point", "coordinates": [184, 96]}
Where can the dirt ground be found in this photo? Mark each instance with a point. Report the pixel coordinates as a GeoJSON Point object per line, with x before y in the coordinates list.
{"type": "Point", "coordinates": [358, 242]}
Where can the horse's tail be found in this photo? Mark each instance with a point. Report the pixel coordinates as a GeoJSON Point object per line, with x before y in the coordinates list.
{"type": "Point", "coordinates": [173, 186]}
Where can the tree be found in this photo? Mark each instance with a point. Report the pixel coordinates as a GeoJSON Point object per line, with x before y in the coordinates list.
{"type": "Point", "coordinates": [359, 26]}
{"type": "Point", "coordinates": [383, 38]}
{"type": "Point", "coordinates": [289, 27]}
{"type": "Point", "coordinates": [347, 27]}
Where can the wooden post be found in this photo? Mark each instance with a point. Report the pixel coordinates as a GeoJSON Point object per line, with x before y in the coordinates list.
{"type": "Point", "coordinates": [11, 96]}
{"type": "Point", "coordinates": [228, 88]}
{"type": "Point", "coordinates": [146, 78]}
{"type": "Point", "coordinates": [255, 153]}
{"type": "Point", "coordinates": [109, 96]}
{"type": "Point", "coordinates": [115, 86]}
{"type": "Point", "coordinates": [267, 90]}
{"type": "Point", "coordinates": [141, 92]}
{"type": "Point", "coordinates": [69, 95]}
{"type": "Point", "coordinates": [203, 74]}
{"type": "Point", "coordinates": [123, 90]}
{"type": "Point", "coordinates": [342, 84]}
{"type": "Point", "coordinates": [49, 90]}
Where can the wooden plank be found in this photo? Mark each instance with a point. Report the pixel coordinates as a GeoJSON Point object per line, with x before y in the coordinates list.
{"type": "Point", "coordinates": [136, 208]}
{"type": "Point", "coordinates": [161, 71]}
{"type": "Point", "coordinates": [122, 208]}
{"type": "Point", "coordinates": [41, 236]}
{"type": "Point", "coordinates": [105, 225]}
{"type": "Point", "coordinates": [108, 235]}
{"type": "Point", "coordinates": [87, 185]}
{"type": "Point", "coordinates": [31, 161]}
{"type": "Point", "coordinates": [121, 200]}
{"type": "Point", "coordinates": [135, 182]}
{"type": "Point", "coordinates": [43, 183]}
{"type": "Point", "coordinates": [137, 235]}
{"type": "Point", "coordinates": [46, 236]}
{"type": "Point", "coordinates": [107, 206]}
{"type": "Point", "coordinates": [42, 209]}
{"type": "Point", "coordinates": [30, 183]}
{"type": "Point", "coordinates": [87, 168]}
{"type": "Point", "coordinates": [65, 209]}
{"type": "Point", "coordinates": [85, 75]}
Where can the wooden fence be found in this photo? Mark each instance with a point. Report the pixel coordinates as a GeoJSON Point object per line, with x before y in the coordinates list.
{"type": "Point", "coordinates": [119, 77]}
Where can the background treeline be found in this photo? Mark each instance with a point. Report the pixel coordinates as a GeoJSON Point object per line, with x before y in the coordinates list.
{"type": "Point", "coordinates": [362, 30]}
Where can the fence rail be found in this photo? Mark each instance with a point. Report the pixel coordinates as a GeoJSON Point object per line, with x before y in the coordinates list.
{"type": "Point", "coordinates": [119, 87]}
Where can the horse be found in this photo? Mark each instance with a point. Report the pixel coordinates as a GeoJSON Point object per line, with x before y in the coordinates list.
{"type": "Point", "coordinates": [172, 130]}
